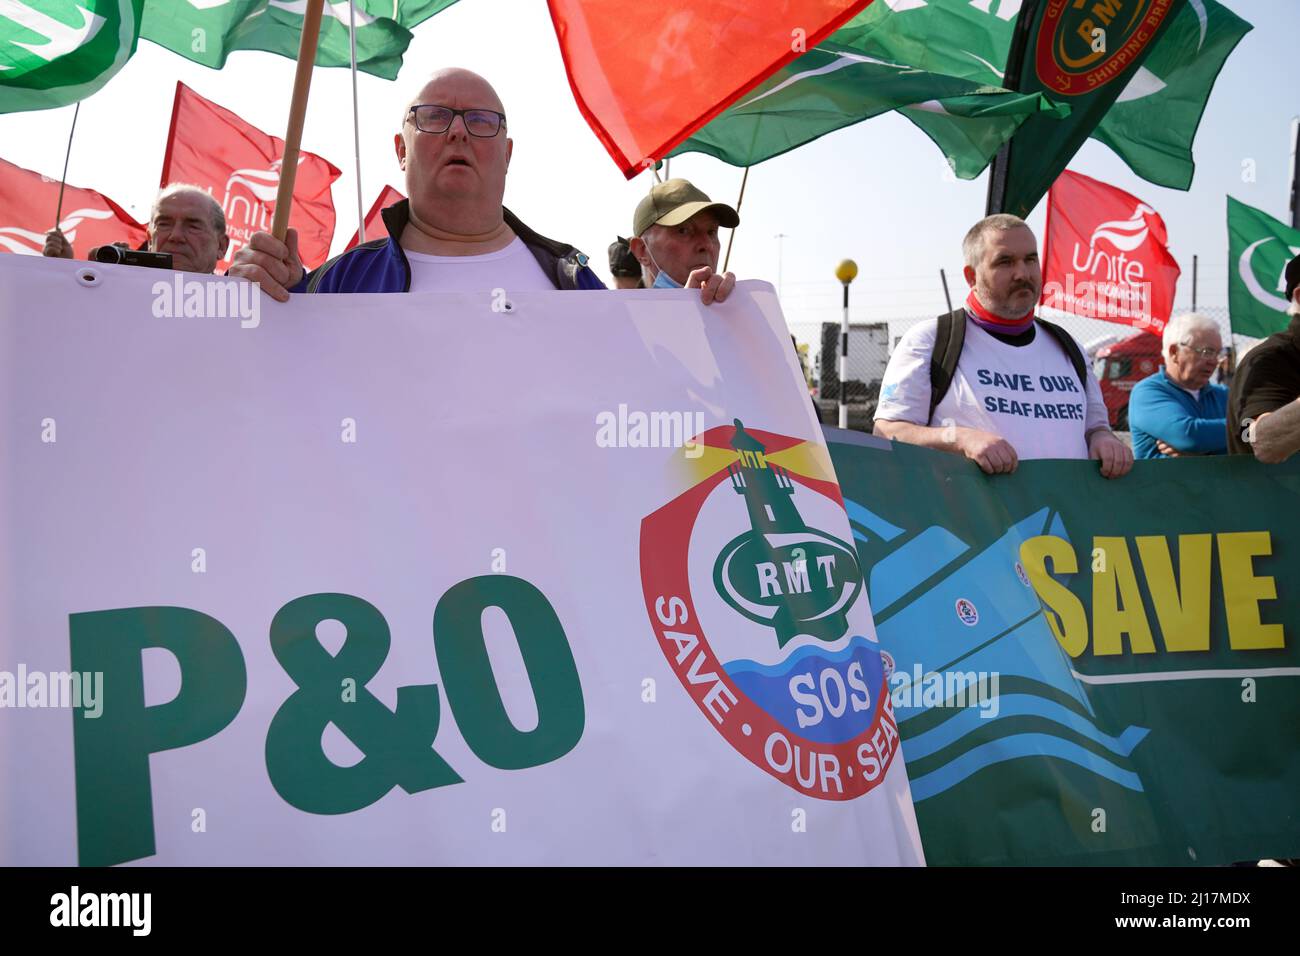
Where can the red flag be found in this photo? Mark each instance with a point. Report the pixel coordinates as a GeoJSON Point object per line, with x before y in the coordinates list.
{"type": "Point", "coordinates": [1106, 255]}
{"type": "Point", "coordinates": [239, 165]}
{"type": "Point", "coordinates": [646, 76]}
{"type": "Point", "coordinates": [375, 228]}
{"type": "Point", "coordinates": [28, 202]}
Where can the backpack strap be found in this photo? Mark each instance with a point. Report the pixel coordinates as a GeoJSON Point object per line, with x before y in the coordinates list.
{"type": "Point", "coordinates": [949, 338]}
{"type": "Point", "coordinates": [1071, 348]}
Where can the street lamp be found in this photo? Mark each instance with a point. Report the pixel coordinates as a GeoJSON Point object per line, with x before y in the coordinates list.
{"type": "Point", "coordinates": [846, 272]}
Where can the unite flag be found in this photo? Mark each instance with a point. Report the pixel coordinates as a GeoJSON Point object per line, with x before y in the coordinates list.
{"type": "Point", "coordinates": [1106, 255]}
{"type": "Point", "coordinates": [28, 202]}
{"type": "Point", "coordinates": [239, 165]}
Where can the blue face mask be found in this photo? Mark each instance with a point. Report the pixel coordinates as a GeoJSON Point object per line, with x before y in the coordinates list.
{"type": "Point", "coordinates": [664, 281]}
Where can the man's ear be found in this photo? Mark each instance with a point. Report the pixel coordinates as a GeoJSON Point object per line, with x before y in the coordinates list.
{"type": "Point", "coordinates": [399, 144]}
{"type": "Point", "coordinates": [636, 245]}
{"type": "Point", "coordinates": [969, 273]}
{"type": "Point", "coordinates": [223, 246]}
{"type": "Point", "coordinates": [510, 150]}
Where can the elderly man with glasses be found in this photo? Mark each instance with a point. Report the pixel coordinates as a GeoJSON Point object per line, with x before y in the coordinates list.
{"type": "Point", "coordinates": [1178, 410]}
{"type": "Point", "coordinates": [452, 234]}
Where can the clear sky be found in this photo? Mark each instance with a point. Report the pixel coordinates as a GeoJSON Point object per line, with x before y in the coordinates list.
{"type": "Point", "coordinates": [876, 192]}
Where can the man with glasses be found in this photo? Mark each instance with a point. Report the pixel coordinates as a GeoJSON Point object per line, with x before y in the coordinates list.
{"type": "Point", "coordinates": [1178, 410]}
{"type": "Point", "coordinates": [453, 233]}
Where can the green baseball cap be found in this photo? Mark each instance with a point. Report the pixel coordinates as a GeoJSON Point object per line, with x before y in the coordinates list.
{"type": "Point", "coordinates": [673, 202]}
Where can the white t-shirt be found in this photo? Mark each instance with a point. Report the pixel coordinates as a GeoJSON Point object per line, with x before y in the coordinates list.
{"type": "Point", "coordinates": [1028, 394]}
{"type": "Point", "coordinates": [513, 268]}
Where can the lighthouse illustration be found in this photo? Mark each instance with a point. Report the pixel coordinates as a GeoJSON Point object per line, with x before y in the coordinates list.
{"type": "Point", "coordinates": [782, 573]}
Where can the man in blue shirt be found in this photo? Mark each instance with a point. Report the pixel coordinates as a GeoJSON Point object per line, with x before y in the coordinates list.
{"type": "Point", "coordinates": [1178, 411]}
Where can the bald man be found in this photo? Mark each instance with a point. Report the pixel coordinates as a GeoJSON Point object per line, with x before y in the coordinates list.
{"type": "Point", "coordinates": [452, 234]}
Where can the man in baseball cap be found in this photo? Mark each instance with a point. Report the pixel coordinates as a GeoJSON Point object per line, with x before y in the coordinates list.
{"type": "Point", "coordinates": [675, 238]}
{"type": "Point", "coordinates": [1264, 403]}
{"type": "Point", "coordinates": [623, 266]}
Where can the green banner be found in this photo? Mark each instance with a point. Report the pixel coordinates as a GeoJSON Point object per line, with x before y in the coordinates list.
{"type": "Point", "coordinates": [1087, 671]}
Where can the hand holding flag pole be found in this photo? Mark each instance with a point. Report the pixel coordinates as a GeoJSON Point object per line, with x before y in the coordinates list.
{"type": "Point", "coordinates": [297, 114]}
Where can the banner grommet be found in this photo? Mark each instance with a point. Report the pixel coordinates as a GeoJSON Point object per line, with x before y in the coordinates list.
{"type": "Point", "coordinates": [88, 277]}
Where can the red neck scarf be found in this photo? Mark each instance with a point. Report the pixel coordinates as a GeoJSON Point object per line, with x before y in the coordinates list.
{"type": "Point", "coordinates": [996, 323]}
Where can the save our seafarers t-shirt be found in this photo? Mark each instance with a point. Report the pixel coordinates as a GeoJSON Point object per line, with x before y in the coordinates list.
{"type": "Point", "coordinates": [1027, 393]}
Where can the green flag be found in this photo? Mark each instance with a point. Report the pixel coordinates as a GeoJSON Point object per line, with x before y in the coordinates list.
{"type": "Point", "coordinates": [835, 85]}
{"type": "Point", "coordinates": [56, 52]}
{"type": "Point", "coordinates": [211, 30]}
{"type": "Point", "coordinates": [1259, 247]}
{"type": "Point", "coordinates": [1085, 53]}
{"type": "Point", "coordinates": [1152, 124]}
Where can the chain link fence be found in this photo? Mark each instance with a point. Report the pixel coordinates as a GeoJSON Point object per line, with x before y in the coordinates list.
{"type": "Point", "coordinates": [1126, 357]}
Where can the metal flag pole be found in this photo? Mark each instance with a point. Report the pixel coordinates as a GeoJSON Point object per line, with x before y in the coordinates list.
{"type": "Point", "coordinates": [1295, 173]}
{"type": "Point", "coordinates": [58, 213]}
{"type": "Point", "coordinates": [943, 277]}
{"type": "Point", "coordinates": [1194, 277]}
{"type": "Point", "coordinates": [1000, 166]}
{"type": "Point", "coordinates": [297, 115]}
{"type": "Point", "coordinates": [356, 125]}
{"type": "Point", "coordinates": [732, 238]}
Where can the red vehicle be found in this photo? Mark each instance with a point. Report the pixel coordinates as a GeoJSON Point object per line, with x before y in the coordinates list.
{"type": "Point", "coordinates": [1122, 365]}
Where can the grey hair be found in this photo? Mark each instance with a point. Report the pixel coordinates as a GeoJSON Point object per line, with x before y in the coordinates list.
{"type": "Point", "coordinates": [972, 247]}
{"type": "Point", "coordinates": [176, 189]}
{"type": "Point", "coordinates": [1180, 327]}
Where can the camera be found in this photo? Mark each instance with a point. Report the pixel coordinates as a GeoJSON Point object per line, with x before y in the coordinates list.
{"type": "Point", "coordinates": [121, 255]}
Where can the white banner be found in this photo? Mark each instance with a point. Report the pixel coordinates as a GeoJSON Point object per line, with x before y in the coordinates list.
{"type": "Point", "coordinates": [425, 579]}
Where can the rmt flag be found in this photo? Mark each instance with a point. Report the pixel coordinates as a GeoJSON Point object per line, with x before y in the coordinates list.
{"type": "Point", "coordinates": [28, 202]}
{"type": "Point", "coordinates": [239, 166]}
{"type": "Point", "coordinates": [1106, 255]}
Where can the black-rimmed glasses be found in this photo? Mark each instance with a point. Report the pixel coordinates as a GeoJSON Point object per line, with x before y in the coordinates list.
{"type": "Point", "coordinates": [431, 118]}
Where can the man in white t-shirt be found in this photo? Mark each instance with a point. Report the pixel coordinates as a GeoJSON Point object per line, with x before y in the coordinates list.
{"type": "Point", "coordinates": [1016, 387]}
{"type": "Point", "coordinates": [453, 234]}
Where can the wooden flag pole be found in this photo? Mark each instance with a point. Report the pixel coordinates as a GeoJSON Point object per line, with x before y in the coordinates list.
{"type": "Point", "coordinates": [732, 238]}
{"type": "Point", "coordinates": [297, 114]}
